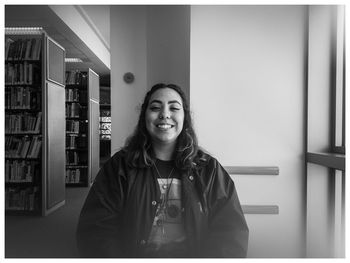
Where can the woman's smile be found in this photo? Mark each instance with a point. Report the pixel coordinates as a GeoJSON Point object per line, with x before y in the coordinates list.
{"type": "Point", "coordinates": [164, 126]}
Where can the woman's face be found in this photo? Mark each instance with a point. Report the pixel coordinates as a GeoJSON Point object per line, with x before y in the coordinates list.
{"type": "Point", "coordinates": [165, 116]}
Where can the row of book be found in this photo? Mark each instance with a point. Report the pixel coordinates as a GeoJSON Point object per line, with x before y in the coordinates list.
{"type": "Point", "coordinates": [76, 127]}
{"type": "Point", "coordinates": [75, 142]}
{"type": "Point", "coordinates": [105, 124]}
{"type": "Point", "coordinates": [22, 198]}
{"type": "Point", "coordinates": [72, 95]}
{"type": "Point", "coordinates": [76, 78]}
{"type": "Point", "coordinates": [105, 131]}
{"type": "Point", "coordinates": [21, 171]}
{"type": "Point", "coordinates": [23, 147]}
{"type": "Point", "coordinates": [72, 126]}
{"type": "Point", "coordinates": [73, 175]}
{"type": "Point", "coordinates": [105, 137]}
{"type": "Point", "coordinates": [105, 113]}
{"type": "Point", "coordinates": [106, 127]}
{"type": "Point", "coordinates": [76, 158]}
{"type": "Point", "coordinates": [73, 110]}
{"type": "Point", "coordinates": [23, 49]}
{"type": "Point", "coordinates": [106, 119]}
{"type": "Point", "coordinates": [22, 98]}
{"type": "Point", "coordinates": [24, 73]}
{"type": "Point", "coordinates": [23, 123]}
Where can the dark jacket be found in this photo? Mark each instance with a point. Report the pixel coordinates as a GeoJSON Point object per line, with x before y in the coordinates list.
{"type": "Point", "coordinates": [118, 213]}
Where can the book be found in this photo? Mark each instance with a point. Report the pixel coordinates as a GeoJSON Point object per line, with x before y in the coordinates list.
{"type": "Point", "coordinates": [38, 122]}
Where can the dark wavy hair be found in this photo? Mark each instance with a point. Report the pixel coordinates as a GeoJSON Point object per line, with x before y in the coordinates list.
{"type": "Point", "coordinates": [138, 147]}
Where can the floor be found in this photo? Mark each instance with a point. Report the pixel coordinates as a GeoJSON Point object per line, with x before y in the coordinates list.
{"type": "Point", "coordinates": [52, 236]}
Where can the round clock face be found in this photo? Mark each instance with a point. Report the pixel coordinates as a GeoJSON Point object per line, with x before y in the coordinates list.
{"type": "Point", "coordinates": [129, 77]}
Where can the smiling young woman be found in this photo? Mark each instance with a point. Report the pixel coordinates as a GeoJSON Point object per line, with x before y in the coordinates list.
{"type": "Point", "coordinates": [161, 196]}
{"type": "Point", "coordinates": [164, 121]}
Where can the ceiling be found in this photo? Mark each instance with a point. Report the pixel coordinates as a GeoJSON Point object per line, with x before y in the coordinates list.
{"type": "Point", "coordinates": [43, 16]}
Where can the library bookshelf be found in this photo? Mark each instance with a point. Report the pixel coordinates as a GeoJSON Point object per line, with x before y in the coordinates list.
{"type": "Point", "coordinates": [82, 134]}
{"type": "Point", "coordinates": [105, 132]}
{"type": "Point", "coordinates": [34, 123]}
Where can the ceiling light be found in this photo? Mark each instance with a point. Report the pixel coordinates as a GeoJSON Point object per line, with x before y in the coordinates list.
{"type": "Point", "coordinates": [23, 30]}
{"type": "Point", "coordinates": [73, 60]}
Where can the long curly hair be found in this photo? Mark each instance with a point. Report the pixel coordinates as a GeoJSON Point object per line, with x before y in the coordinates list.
{"type": "Point", "coordinates": [138, 147]}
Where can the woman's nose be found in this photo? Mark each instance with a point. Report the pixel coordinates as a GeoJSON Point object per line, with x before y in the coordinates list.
{"type": "Point", "coordinates": [164, 114]}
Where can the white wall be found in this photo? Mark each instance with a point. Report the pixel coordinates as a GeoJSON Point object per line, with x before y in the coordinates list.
{"type": "Point", "coordinates": [153, 43]}
{"type": "Point", "coordinates": [247, 91]}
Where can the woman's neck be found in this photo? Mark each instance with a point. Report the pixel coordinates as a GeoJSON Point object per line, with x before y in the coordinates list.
{"type": "Point", "coordinates": [164, 151]}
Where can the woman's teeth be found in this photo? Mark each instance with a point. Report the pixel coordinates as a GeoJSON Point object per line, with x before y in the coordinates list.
{"type": "Point", "coordinates": [164, 126]}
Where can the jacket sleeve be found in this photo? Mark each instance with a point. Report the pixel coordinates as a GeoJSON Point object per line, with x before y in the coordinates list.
{"type": "Point", "coordinates": [98, 232]}
{"type": "Point", "coordinates": [228, 231]}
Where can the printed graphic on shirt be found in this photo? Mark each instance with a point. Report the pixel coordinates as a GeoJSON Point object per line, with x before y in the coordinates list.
{"type": "Point", "coordinates": [168, 223]}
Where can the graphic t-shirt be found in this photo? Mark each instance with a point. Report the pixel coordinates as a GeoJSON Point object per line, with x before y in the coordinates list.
{"type": "Point", "coordinates": [167, 237]}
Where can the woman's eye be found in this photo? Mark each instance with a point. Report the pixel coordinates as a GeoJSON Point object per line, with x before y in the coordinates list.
{"type": "Point", "coordinates": [174, 109]}
{"type": "Point", "coordinates": [154, 108]}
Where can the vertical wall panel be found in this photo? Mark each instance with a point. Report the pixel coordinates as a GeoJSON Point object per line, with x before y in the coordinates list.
{"type": "Point", "coordinates": [94, 121]}
{"type": "Point", "coordinates": [320, 181]}
{"type": "Point", "coordinates": [128, 54]}
{"type": "Point", "coordinates": [320, 51]}
{"type": "Point", "coordinates": [94, 146]}
{"type": "Point", "coordinates": [168, 45]}
{"type": "Point", "coordinates": [318, 216]}
{"type": "Point", "coordinates": [56, 142]}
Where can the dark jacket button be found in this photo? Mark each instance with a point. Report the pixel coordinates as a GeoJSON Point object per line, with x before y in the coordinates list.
{"type": "Point", "coordinates": [191, 177]}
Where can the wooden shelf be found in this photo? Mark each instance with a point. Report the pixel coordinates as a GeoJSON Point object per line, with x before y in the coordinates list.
{"type": "Point", "coordinates": [75, 149]}
{"type": "Point", "coordinates": [77, 118]}
{"type": "Point", "coordinates": [87, 91]}
{"type": "Point", "coordinates": [72, 134]}
{"type": "Point", "coordinates": [21, 158]}
{"type": "Point", "coordinates": [75, 86]}
{"type": "Point", "coordinates": [76, 101]}
{"type": "Point", "coordinates": [23, 134]}
{"type": "Point", "coordinates": [36, 85]}
{"type": "Point", "coordinates": [9, 183]}
{"type": "Point", "coordinates": [75, 166]}
{"type": "Point", "coordinates": [18, 61]}
{"type": "Point", "coordinates": [76, 184]}
{"type": "Point", "coordinates": [10, 212]}
{"type": "Point", "coordinates": [22, 110]}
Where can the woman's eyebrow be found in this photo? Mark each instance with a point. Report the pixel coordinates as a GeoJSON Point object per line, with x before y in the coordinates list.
{"type": "Point", "coordinates": [174, 101]}
{"type": "Point", "coordinates": [169, 102]}
{"type": "Point", "coordinates": [155, 101]}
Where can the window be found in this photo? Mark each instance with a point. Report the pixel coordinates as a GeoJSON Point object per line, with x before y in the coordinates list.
{"type": "Point", "coordinates": [331, 154]}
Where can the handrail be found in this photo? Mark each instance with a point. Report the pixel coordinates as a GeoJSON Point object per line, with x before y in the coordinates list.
{"type": "Point", "coordinates": [256, 170]}
{"type": "Point", "coordinates": [253, 170]}
{"type": "Point", "coordinates": [260, 209]}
